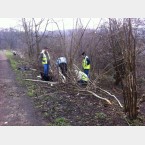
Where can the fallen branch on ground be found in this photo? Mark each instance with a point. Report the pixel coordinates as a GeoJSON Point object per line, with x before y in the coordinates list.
{"type": "Point", "coordinates": [108, 94]}
{"type": "Point", "coordinates": [112, 96]}
{"type": "Point", "coordinates": [97, 96]}
{"type": "Point", "coordinates": [33, 69]}
{"type": "Point", "coordinates": [48, 82]}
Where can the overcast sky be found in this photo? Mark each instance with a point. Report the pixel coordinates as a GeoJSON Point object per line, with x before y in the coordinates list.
{"type": "Point", "coordinates": [8, 22]}
{"type": "Point", "coordinates": [68, 23]}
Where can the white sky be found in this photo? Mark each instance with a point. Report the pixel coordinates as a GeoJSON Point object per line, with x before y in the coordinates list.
{"type": "Point", "coordinates": [68, 22]}
{"type": "Point", "coordinates": [8, 22]}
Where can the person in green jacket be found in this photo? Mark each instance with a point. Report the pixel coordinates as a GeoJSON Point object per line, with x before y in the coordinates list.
{"type": "Point", "coordinates": [82, 78]}
{"type": "Point", "coordinates": [86, 64]}
{"type": "Point", "coordinates": [45, 60]}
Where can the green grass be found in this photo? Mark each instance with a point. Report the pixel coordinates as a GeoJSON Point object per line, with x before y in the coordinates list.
{"type": "Point", "coordinates": [31, 92]}
{"type": "Point", "coordinates": [137, 122]}
{"type": "Point", "coordinates": [100, 115]}
{"type": "Point", "coordinates": [13, 62]}
{"type": "Point", "coordinates": [61, 121]}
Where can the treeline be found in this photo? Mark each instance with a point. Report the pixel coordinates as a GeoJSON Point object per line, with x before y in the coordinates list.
{"type": "Point", "coordinates": [112, 40]}
{"type": "Point", "coordinates": [70, 43]}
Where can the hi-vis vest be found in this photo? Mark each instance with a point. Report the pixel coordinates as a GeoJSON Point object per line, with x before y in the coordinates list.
{"type": "Point", "coordinates": [44, 59]}
{"type": "Point", "coordinates": [84, 63]}
{"type": "Point", "coordinates": [84, 77]}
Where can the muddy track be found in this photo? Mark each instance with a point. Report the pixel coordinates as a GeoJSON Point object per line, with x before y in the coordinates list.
{"type": "Point", "coordinates": [16, 108]}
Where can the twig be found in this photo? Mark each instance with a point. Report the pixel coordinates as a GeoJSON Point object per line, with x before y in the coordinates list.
{"type": "Point", "coordinates": [33, 69]}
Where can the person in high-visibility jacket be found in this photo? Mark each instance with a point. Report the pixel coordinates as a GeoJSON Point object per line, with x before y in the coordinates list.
{"type": "Point", "coordinates": [82, 78]}
{"type": "Point", "coordinates": [45, 60]}
{"type": "Point", "coordinates": [86, 64]}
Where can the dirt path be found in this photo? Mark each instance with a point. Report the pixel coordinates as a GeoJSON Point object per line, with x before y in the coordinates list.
{"type": "Point", "coordinates": [16, 109]}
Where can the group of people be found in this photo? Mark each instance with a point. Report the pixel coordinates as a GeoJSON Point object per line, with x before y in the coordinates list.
{"type": "Point", "coordinates": [82, 76]}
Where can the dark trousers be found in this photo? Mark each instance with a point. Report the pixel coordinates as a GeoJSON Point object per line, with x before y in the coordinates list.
{"type": "Point", "coordinates": [83, 83]}
{"type": "Point", "coordinates": [46, 69]}
{"type": "Point", "coordinates": [63, 67]}
{"type": "Point", "coordinates": [86, 71]}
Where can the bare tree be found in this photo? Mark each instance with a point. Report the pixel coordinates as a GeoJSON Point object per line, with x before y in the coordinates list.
{"type": "Point", "coordinates": [33, 35]}
{"type": "Point", "coordinates": [124, 45]}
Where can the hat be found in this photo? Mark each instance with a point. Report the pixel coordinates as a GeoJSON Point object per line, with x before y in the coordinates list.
{"type": "Point", "coordinates": [83, 53]}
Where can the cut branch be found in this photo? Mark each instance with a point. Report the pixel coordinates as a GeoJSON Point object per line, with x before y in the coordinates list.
{"type": "Point", "coordinates": [97, 96]}
{"type": "Point", "coordinates": [112, 96]}
{"type": "Point", "coordinates": [48, 82]}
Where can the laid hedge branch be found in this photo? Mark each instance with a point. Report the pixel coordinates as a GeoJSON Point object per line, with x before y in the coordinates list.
{"type": "Point", "coordinates": [97, 96]}
{"type": "Point", "coordinates": [48, 82]}
{"type": "Point", "coordinates": [112, 96]}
